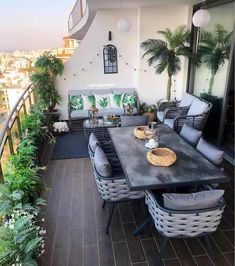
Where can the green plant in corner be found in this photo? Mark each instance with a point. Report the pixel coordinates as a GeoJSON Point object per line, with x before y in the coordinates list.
{"type": "Point", "coordinates": [214, 49]}
{"type": "Point", "coordinates": [165, 54]}
{"type": "Point", "coordinates": [48, 66]}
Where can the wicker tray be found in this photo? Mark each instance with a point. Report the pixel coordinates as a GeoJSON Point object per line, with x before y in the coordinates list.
{"type": "Point", "coordinates": [139, 132]}
{"type": "Point", "coordinates": [161, 157]}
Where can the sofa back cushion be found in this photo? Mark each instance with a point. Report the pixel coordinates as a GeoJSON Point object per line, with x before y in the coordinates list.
{"type": "Point", "coordinates": [197, 107]}
{"type": "Point", "coordinates": [186, 100]}
{"type": "Point", "coordinates": [80, 92]}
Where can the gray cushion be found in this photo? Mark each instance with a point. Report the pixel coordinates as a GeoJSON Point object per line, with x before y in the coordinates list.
{"type": "Point", "coordinates": [211, 152]}
{"type": "Point", "coordinates": [122, 90]}
{"type": "Point", "coordinates": [138, 120]}
{"type": "Point", "coordinates": [102, 91]}
{"type": "Point", "coordinates": [197, 107]}
{"type": "Point", "coordinates": [113, 111]}
{"type": "Point", "coordinates": [193, 201]}
{"type": "Point", "coordinates": [160, 115]}
{"type": "Point", "coordinates": [79, 114]}
{"type": "Point", "coordinates": [101, 163]}
{"type": "Point", "coordinates": [186, 100]}
{"type": "Point", "coordinates": [93, 142]}
{"type": "Point", "coordinates": [190, 134]}
{"type": "Point", "coordinates": [169, 122]}
{"type": "Point", "coordinates": [80, 92]}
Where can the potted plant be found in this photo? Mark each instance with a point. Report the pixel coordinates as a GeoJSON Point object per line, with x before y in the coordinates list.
{"type": "Point", "coordinates": [148, 110]}
{"type": "Point", "coordinates": [165, 54]}
{"type": "Point", "coordinates": [47, 66]}
{"type": "Point", "coordinates": [214, 49]}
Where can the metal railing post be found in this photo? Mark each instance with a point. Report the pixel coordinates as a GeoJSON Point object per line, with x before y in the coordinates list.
{"type": "Point", "coordinates": [18, 123]}
{"type": "Point", "coordinates": [10, 140]}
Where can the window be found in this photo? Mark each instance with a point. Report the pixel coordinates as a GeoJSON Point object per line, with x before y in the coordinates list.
{"type": "Point", "coordinates": [110, 59]}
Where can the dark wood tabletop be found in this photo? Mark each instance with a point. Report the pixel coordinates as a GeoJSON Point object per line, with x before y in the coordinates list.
{"type": "Point", "coordinates": [190, 168]}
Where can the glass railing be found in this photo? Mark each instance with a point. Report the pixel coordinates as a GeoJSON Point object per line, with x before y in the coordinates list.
{"type": "Point", "coordinates": [11, 132]}
{"type": "Point", "coordinates": [77, 13]}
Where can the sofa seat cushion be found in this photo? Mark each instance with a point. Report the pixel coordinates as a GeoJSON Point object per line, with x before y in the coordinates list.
{"type": "Point", "coordinates": [110, 111]}
{"type": "Point", "coordinates": [169, 122]}
{"type": "Point", "coordinates": [101, 163]}
{"type": "Point", "coordinates": [190, 134]}
{"type": "Point", "coordinates": [160, 115]}
{"type": "Point", "coordinates": [197, 107]}
{"type": "Point", "coordinates": [210, 151]}
{"type": "Point", "coordinates": [193, 201]}
{"type": "Point", "coordinates": [186, 100]}
{"type": "Point", "coordinates": [79, 114]}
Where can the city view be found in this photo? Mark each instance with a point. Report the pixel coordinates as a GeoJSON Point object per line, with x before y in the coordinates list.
{"type": "Point", "coordinates": [16, 68]}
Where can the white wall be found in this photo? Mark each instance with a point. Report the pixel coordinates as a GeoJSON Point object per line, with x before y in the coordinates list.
{"type": "Point", "coordinates": [145, 24]}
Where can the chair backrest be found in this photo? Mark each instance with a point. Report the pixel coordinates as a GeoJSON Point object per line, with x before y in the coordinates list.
{"type": "Point", "coordinates": [210, 151]}
{"type": "Point", "coordinates": [186, 100]}
{"type": "Point", "coordinates": [190, 134]}
{"type": "Point", "coordinates": [198, 107]}
{"type": "Point", "coordinates": [138, 120]}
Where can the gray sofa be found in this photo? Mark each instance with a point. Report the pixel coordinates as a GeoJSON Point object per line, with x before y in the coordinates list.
{"type": "Point", "coordinates": [83, 114]}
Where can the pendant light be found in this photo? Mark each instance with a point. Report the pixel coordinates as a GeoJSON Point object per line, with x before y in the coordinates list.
{"type": "Point", "coordinates": [201, 17]}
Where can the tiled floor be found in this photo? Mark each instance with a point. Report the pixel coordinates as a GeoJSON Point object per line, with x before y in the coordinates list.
{"type": "Point", "coordinates": [75, 224]}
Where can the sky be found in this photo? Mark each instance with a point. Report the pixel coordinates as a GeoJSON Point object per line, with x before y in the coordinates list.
{"type": "Point", "coordinates": [33, 24]}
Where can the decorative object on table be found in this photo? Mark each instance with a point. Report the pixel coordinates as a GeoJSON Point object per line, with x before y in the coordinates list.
{"type": "Point", "coordinates": [148, 110]}
{"type": "Point", "coordinates": [60, 127]}
{"type": "Point", "coordinates": [93, 114]}
{"type": "Point", "coordinates": [166, 54]}
{"type": "Point", "coordinates": [111, 118]}
{"type": "Point", "coordinates": [139, 132]}
{"type": "Point", "coordinates": [161, 157]}
{"type": "Point", "coordinates": [151, 138]}
{"type": "Point", "coordinates": [128, 109]}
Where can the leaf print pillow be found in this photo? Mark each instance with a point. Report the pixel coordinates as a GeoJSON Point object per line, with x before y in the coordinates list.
{"type": "Point", "coordinates": [130, 99]}
{"type": "Point", "coordinates": [88, 101]}
{"type": "Point", "coordinates": [116, 100]}
{"type": "Point", "coordinates": [102, 101]}
{"type": "Point", "coordinates": [76, 102]}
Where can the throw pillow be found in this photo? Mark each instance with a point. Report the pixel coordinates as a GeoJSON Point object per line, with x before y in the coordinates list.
{"type": "Point", "coordinates": [88, 101]}
{"type": "Point", "coordinates": [102, 101]}
{"type": "Point", "coordinates": [190, 134]}
{"type": "Point", "coordinates": [192, 201]}
{"type": "Point", "coordinates": [130, 99]}
{"type": "Point", "coordinates": [93, 142]}
{"type": "Point", "coordinates": [76, 102]}
{"type": "Point", "coordinates": [101, 163]}
{"type": "Point", "coordinates": [116, 100]}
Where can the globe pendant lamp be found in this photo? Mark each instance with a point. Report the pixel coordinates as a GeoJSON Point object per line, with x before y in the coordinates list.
{"type": "Point", "coordinates": [201, 18]}
{"type": "Point", "coordinates": [124, 25]}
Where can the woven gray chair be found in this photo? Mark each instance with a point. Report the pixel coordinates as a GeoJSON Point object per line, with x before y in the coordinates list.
{"type": "Point", "coordinates": [137, 120]}
{"type": "Point", "coordinates": [190, 134]}
{"type": "Point", "coordinates": [183, 224]}
{"type": "Point", "coordinates": [171, 109]}
{"type": "Point", "coordinates": [196, 116]}
{"type": "Point", "coordinates": [111, 182]}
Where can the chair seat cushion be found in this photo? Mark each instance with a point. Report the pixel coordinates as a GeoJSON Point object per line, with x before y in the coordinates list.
{"type": "Point", "coordinates": [101, 163]}
{"type": "Point", "coordinates": [169, 122]}
{"type": "Point", "coordinates": [193, 201]}
{"type": "Point", "coordinates": [160, 115]}
{"type": "Point", "coordinates": [197, 107]}
{"type": "Point", "coordinates": [138, 120]}
{"type": "Point", "coordinates": [211, 152]}
{"type": "Point", "coordinates": [190, 134]}
{"type": "Point", "coordinates": [186, 100]}
{"type": "Point", "coordinates": [93, 142]}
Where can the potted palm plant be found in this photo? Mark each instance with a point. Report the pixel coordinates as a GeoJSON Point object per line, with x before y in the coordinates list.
{"type": "Point", "coordinates": [48, 66]}
{"type": "Point", "coordinates": [214, 49]}
{"type": "Point", "coordinates": [165, 54]}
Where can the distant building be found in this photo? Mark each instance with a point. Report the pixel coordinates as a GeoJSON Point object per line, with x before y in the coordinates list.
{"type": "Point", "coordinates": [69, 46]}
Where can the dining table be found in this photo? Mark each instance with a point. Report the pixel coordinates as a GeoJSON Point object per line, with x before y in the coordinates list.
{"type": "Point", "coordinates": [191, 168]}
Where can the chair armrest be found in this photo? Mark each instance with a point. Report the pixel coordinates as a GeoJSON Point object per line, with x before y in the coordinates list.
{"type": "Point", "coordinates": [172, 113]}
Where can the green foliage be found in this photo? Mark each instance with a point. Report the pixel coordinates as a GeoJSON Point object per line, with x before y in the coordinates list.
{"type": "Point", "coordinates": [104, 102]}
{"type": "Point", "coordinates": [48, 67]}
{"type": "Point", "coordinates": [214, 49]}
{"type": "Point", "coordinates": [117, 99]}
{"type": "Point", "coordinates": [165, 55]}
{"type": "Point", "coordinates": [76, 102]}
{"type": "Point", "coordinates": [145, 108]}
{"type": "Point", "coordinates": [91, 99]}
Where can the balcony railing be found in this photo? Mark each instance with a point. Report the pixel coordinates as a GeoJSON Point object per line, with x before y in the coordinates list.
{"type": "Point", "coordinates": [77, 13]}
{"type": "Point", "coordinates": [11, 131]}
